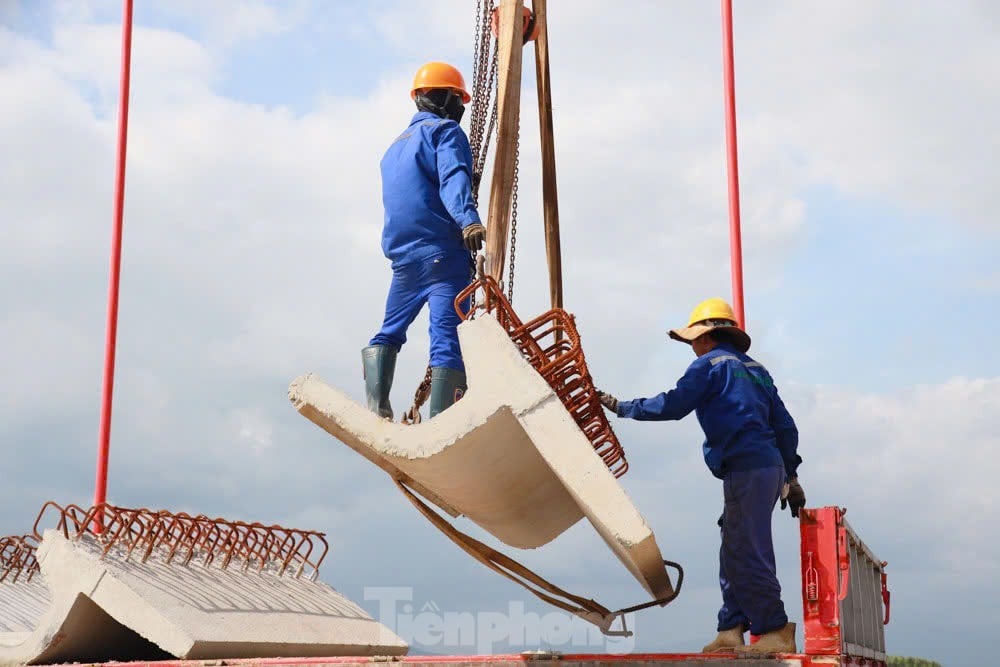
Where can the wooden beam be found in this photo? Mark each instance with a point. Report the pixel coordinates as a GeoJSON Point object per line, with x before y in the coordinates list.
{"type": "Point", "coordinates": [510, 43]}
{"type": "Point", "coordinates": [550, 197]}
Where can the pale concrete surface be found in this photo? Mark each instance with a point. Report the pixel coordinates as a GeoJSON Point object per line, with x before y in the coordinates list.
{"type": "Point", "coordinates": [22, 604]}
{"type": "Point", "coordinates": [508, 456]}
{"type": "Point", "coordinates": [103, 609]}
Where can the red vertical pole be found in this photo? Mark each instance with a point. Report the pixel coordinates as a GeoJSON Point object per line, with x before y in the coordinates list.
{"type": "Point", "coordinates": [104, 438]}
{"type": "Point", "coordinates": [735, 241]}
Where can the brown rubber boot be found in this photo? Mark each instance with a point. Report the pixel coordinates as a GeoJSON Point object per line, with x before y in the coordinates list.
{"type": "Point", "coordinates": [726, 641]}
{"type": "Point", "coordinates": [781, 640]}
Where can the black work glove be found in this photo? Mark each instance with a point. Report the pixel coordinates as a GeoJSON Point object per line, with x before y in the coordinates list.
{"type": "Point", "coordinates": [473, 236]}
{"type": "Point", "coordinates": [794, 498]}
{"type": "Point", "coordinates": [608, 401]}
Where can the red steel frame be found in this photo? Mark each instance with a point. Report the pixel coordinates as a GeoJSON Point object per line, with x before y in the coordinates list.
{"type": "Point", "coordinates": [843, 586]}
{"type": "Point", "coordinates": [735, 240]}
{"type": "Point", "coordinates": [104, 436]}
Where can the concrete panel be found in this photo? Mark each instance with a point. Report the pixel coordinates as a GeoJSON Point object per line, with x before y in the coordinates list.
{"type": "Point", "coordinates": [110, 608]}
{"type": "Point", "coordinates": [508, 456]}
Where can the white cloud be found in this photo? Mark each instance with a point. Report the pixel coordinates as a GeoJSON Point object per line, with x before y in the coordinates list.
{"type": "Point", "coordinates": [226, 23]}
{"type": "Point", "coordinates": [876, 110]}
{"type": "Point", "coordinates": [253, 428]}
{"type": "Point", "coordinates": [918, 463]}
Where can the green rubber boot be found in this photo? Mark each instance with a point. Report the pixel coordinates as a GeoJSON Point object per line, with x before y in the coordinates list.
{"type": "Point", "coordinates": [379, 363]}
{"type": "Point", "coordinates": [447, 386]}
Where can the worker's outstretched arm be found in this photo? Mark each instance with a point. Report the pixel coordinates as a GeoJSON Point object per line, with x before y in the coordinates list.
{"type": "Point", "coordinates": [786, 433]}
{"type": "Point", "coordinates": [674, 404]}
{"type": "Point", "coordinates": [454, 165]}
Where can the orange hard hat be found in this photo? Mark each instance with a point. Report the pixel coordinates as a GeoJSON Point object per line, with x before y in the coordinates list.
{"type": "Point", "coordinates": [528, 32]}
{"type": "Point", "coordinates": [439, 75]}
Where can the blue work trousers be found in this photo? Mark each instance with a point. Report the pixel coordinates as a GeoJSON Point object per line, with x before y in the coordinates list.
{"type": "Point", "coordinates": [751, 594]}
{"type": "Point", "coordinates": [435, 281]}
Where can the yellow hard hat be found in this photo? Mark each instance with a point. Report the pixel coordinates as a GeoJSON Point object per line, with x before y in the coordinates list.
{"type": "Point", "coordinates": [712, 309]}
{"type": "Point", "coordinates": [439, 75]}
{"type": "Point", "coordinates": [710, 314]}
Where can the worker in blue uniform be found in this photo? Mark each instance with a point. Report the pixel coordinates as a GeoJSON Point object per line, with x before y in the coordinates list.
{"type": "Point", "coordinates": [430, 234]}
{"type": "Point", "coordinates": [751, 444]}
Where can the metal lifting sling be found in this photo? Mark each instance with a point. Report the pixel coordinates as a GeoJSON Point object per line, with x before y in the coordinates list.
{"type": "Point", "coordinates": [585, 608]}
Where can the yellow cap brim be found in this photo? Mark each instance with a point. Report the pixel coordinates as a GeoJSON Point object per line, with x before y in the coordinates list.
{"type": "Point", "coordinates": [739, 337]}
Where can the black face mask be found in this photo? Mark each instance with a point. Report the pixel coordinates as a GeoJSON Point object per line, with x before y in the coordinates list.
{"type": "Point", "coordinates": [442, 103]}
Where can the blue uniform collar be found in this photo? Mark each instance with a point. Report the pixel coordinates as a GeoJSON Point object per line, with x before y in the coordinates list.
{"type": "Point", "coordinates": [421, 116]}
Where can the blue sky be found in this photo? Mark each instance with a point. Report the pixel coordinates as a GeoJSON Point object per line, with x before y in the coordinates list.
{"type": "Point", "coordinates": [251, 256]}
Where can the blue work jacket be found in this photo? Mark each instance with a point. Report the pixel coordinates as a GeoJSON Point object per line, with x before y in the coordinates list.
{"type": "Point", "coordinates": [427, 191]}
{"type": "Point", "coordinates": [746, 424]}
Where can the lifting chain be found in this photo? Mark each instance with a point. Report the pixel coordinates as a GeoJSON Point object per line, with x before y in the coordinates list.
{"type": "Point", "coordinates": [484, 120]}
{"type": "Point", "coordinates": [483, 126]}
{"type": "Point", "coordinates": [412, 416]}
{"type": "Point", "coordinates": [491, 121]}
{"type": "Point", "coordinates": [484, 104]}
{"type": "Point", "coordinates": [513, 213]}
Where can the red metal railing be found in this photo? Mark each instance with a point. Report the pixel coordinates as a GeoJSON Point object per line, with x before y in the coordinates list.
{"type": "Point", "coordinates": [845, 600]}
{"type": "Point", "coordinates": [551, 344]}
{"type": "Point", "coordinates": [181, 538]}
{"type": "Point", "coordinates": [17, 558]}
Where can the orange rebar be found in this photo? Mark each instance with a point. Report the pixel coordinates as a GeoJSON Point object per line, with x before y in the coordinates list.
{"type": "Point", "coordinates": [164, 534]}
{"type": "Point", "coordinates": [17, 558]}
{"type": "Point", "coordinates": [551, 344]}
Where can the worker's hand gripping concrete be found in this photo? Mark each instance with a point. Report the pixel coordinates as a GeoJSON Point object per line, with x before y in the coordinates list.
{"type": "Point", "coordinates": [793, 497]}
{"type": "Point", "coordinates": [473, 237]}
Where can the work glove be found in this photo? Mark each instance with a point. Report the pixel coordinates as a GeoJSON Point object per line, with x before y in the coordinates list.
{"type": "Point", "coordinates": [608, 401]}
{"type": "Point", "coordinates": [474, 235]}
{"type": "Point", "coordinates": [793, 497]}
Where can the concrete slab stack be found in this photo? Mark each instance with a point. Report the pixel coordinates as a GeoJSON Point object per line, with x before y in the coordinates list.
{"type": "Point", "coordinates": [88, 606]}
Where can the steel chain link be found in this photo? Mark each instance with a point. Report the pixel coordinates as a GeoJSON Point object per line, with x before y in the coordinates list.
{"type": "Point", "coordinates": [482, 85]}
{"type": "Point", "coordinates": [482, 89]}
{"type": "Point", "coordinates": [513, 212]}
{"type": "Point", "coordinates": [484, 120]}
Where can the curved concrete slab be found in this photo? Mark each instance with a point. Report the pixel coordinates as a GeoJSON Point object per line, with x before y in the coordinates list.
{"type": "Point", "coordinates": [84, 608]}
{"type": "Point", "coordinates": [508, 456]}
